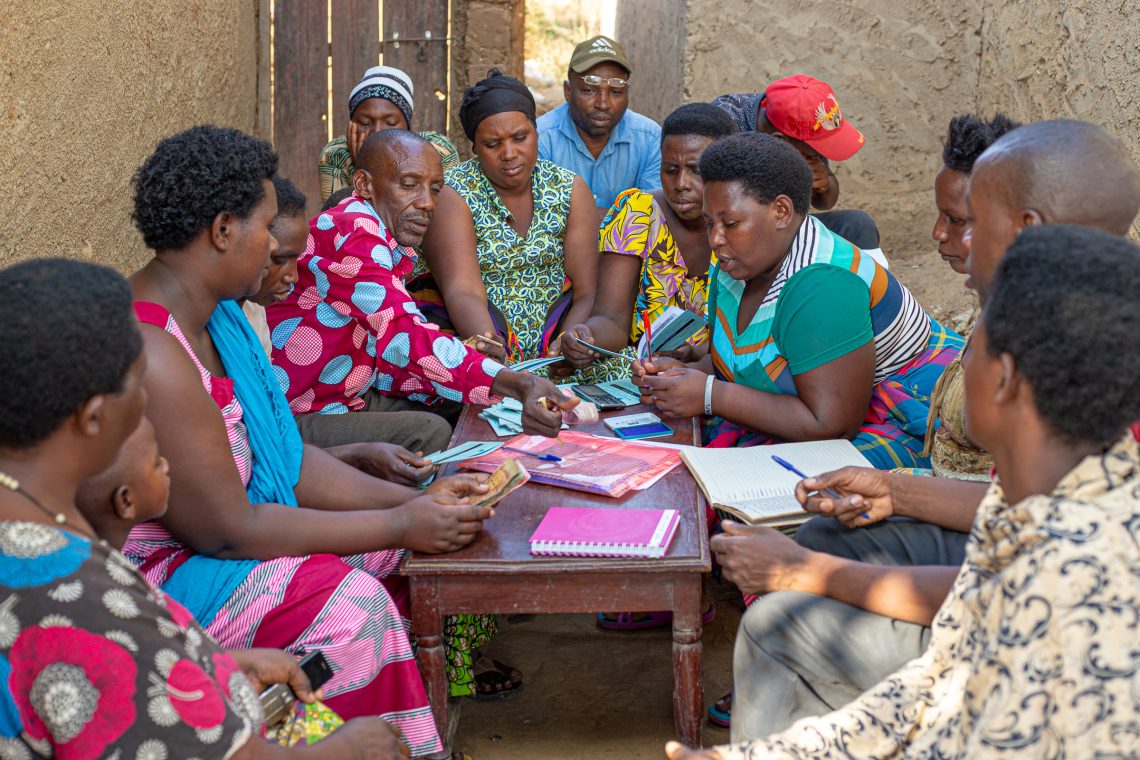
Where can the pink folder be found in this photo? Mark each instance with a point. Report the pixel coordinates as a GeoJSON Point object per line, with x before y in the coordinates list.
{"type": "Point", "coordinates": [602, 532]}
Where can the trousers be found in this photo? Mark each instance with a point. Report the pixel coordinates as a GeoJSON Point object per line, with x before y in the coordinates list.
{"type": "Point", "coordinates": [799, 655]}
{"type": "Point", "coordinates": [386, 419]}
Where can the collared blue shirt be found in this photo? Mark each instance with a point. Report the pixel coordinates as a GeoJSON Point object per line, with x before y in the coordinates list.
{"type": "Point", "coordinates": [631, 158]}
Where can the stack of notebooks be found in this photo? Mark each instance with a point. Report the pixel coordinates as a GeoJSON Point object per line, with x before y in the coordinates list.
{"type": "Point", "coordinates": [749, 485]}
{"type": "Point", "coordinates": [601, 532]}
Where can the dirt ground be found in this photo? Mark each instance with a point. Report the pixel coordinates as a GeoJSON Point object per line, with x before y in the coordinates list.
{"type": "Point", "coordinates": [591, 693]}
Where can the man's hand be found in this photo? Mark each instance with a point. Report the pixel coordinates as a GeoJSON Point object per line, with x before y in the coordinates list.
{"type": "Point", "coordinates": [867, 497]}
{"type": "Point", "coordinates": [354, 137]}
{"type": "Point", "coordinates": [459, 487]}
{"type": "Point", "coordinates": [434, 524]}
{"type": "Point", "coordinates": [266, 667]}
{"type": "Point", "coordinates": [492, 347]}
{"type": "Point", "coordinates": [372, 738]}
{"type": "Point", "coordinates": [760, 560]}
{"type": "Point", "coordinates": [820, 174]}
{"type": "Point", "coordinates": [570, 346]}
{"type": "Point", "coordinates": [537, 419]}
{"type": "Point", "coordinates": [678, 392]}
{"type": "Point", "coordinates": [386, 461]}
{"type": "Point", "coordinates": [678, 751]}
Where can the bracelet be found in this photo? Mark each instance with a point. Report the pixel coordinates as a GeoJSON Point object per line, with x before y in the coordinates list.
{"type": "Point", "coordinates": [708, 394]}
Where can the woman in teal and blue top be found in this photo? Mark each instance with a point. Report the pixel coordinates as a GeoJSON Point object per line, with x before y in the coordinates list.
{"type": "Point", "coordinates": [811, 338]}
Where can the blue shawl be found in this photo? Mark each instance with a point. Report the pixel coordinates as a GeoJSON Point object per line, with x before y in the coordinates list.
{"type": "Point", "coordinates": [204, 584]}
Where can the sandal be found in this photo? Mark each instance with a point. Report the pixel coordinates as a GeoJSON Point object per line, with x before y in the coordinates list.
{"type": "Point", "coordinates": [720, 711]}
{"type": "Point", "coordinates": [494, 680]}
{"type": "Point", "coordinates": [628, 621]}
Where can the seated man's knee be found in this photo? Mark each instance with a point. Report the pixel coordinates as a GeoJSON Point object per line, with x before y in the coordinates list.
{"type": "Point", "coordinates": [820, 534]}
{"type": "Point", "coordinates": [435, 434]}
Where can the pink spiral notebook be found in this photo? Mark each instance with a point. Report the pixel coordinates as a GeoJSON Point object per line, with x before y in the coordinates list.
{"type": "Point", "coordinates": [601, 532]}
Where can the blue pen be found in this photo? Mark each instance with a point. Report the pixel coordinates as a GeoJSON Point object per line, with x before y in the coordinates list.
{"type": "Point", "coordinates": [829, 492]}
{"type": "Point", "coordinates": [543, 457]}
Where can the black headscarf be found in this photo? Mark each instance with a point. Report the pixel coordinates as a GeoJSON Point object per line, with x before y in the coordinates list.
{"type": "Point", "coordinates": [498, 93]}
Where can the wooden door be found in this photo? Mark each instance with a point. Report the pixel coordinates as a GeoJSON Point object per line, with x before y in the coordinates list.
{"type": "Point", "coordinates": [320, 48]}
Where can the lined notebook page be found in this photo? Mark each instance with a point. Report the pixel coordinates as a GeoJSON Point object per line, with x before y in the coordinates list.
{"type": "Point", "coordinates": [749, 480]}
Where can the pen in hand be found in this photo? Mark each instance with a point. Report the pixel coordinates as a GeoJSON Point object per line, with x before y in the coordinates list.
{"type": "Point", "coordinates": [829, 492]}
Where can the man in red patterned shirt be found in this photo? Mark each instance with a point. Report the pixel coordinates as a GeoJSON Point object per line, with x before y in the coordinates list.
{"type": "Point", "coordinates": [350, 338]}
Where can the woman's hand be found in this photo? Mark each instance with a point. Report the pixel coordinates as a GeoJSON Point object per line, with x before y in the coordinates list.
{"type": "Point", "coordinates": [643, 368]}
{"type": "Point", "coordinates": [386, 461]}
{"type": "Point", "coordinates": [266, 667]}
{"type": "Point", "coordinates": [438, 523]}
{"type": "Point", "coordinates": [686, 353]}
{"type": "Point", "coordinates": [570, 346]}
{"type": "Point", "coordinates": [371, 738]}
{"type": "Point", "coordinates": [459, 487]}
{"type": "Point", "coordinates": [867, 497]}
{"type": "Point", "coordinates": [678, 391]}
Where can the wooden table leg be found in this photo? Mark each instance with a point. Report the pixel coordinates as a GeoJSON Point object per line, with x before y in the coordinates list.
{"type": "Point", "coordinates": [428, 625]}
{"type": "Point", "coordinates": [688, 699]}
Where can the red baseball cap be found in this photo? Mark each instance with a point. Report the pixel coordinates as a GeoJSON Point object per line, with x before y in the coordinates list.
{"type": "Point", "coordinates": [807, 109]}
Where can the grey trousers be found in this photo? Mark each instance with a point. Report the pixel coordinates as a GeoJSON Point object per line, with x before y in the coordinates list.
{"type": "Point", "coordinates": [385, 419]}
{"type": "Point", "coordinates": [799, 655]}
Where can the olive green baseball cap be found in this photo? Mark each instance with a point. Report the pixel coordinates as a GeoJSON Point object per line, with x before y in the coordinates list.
{"type": "Point", "coordinates": [600, 49]}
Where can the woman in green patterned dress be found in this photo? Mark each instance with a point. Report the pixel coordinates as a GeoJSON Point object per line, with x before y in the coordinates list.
{"type": "Point", "coordinates": [512, 230]}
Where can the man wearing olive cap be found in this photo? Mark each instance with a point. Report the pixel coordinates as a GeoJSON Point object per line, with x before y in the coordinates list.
{"type": "Point", "coordinates": [593, 134]}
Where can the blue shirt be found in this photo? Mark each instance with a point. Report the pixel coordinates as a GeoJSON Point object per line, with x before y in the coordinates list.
{"type": "Point", "coordinates": [631, 158]}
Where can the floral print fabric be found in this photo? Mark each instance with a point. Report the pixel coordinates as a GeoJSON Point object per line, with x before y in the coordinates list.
{"type": "Point", "coordinates": [97, 663]}
{"type": "Point", "coordinates": [636, 226]}
{"type": "Point", "coordinates": [1033, 654]}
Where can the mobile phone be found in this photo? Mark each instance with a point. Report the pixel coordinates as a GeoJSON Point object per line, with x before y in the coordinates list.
{"type": "Point", "coordinates": [277, 701]}
{"type": "Point", "coordinates": [598, 396]}
{"type": "Point", "coordinates": [652, 430]}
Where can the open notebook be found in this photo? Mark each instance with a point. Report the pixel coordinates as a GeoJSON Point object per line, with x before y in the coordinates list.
{"type": "Point", "coordinates": [748, 484]}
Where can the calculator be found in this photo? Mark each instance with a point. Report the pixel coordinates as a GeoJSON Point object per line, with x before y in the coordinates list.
{"type": "Point", "coordinates": [604, 401]}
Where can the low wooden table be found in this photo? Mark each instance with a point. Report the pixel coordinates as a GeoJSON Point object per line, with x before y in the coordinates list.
{"type": "Point", "coordinates": [497, 574]}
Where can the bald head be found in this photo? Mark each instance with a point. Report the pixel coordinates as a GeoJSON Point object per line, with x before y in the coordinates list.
{"type": "Point", "coordinates": [401, 174]}
{"type": "Point", "coordinates": [1070, 172]}
{"type": "Point", "coordinates": [1061, 171]}
{"type": "Point", "coordinates": [389, 145]}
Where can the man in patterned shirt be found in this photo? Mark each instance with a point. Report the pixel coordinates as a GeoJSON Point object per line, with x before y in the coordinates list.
{"type": "Point", "coordinates": [1034, 651]}
{"type": "Point", "coordinates": [350, 338]}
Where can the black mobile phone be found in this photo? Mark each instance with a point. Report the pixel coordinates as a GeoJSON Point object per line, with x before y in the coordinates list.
{"type": "Point", "coordinates": [596, 395]}
{"type": "Point", "coordinates": [277, 701]}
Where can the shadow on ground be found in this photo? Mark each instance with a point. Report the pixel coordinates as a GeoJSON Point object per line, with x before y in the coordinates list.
{"type": "Point", "coordinates": [591, 693]}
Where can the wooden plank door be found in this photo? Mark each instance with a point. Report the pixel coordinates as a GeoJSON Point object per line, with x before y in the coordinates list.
{"type": "Point", "coordinates": [300, 91]}
{"type": "Point", "coordinates": [416, 40]}
{"type": "Point", "coordinates": [306, 112]}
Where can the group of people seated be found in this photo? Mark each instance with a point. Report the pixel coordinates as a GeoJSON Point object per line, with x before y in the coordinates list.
{"type": "Point", "coordinates": [217, 463]}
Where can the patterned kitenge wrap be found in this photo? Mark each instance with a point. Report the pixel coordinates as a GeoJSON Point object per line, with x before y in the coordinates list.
{"type": "Point", "coordinates": [525, 276]}
{"type": "Point", "coordinates": [911, 349]}
{"type": "Point", "coordinates": [341, 605]}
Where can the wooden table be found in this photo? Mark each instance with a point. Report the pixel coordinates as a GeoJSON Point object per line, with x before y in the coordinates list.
{"type": "Point", "coordinates": [497, 574]}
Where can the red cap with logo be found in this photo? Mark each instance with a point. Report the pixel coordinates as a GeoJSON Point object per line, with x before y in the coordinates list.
{"type": "Point", "coordinates": [807, 109]}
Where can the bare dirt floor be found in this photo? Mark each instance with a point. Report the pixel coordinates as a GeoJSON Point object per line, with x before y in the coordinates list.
{"type": "Point", "coordinates": [591, 693]}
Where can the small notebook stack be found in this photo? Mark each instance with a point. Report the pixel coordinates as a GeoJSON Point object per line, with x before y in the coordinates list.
{"type": "Point", "coordinates": [749, 485]}
{"type": "Point", "coordinates": [602, 532]}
